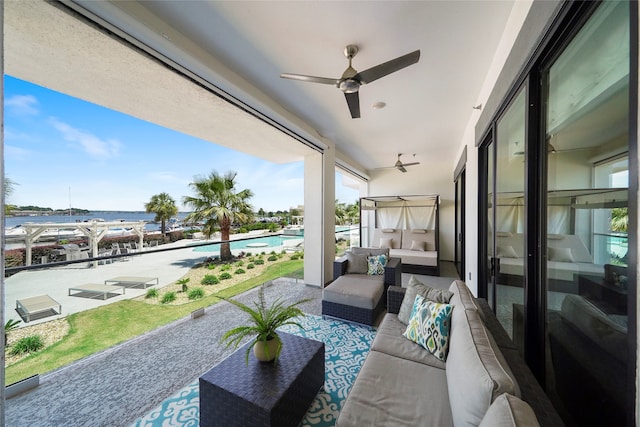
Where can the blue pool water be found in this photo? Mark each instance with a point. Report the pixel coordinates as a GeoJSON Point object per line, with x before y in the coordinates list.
{"type": "Point", "coordinates": [269, 243]}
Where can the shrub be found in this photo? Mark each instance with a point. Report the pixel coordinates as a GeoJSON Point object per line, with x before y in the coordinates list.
{"type": "Point", "coordinates": [151, 293]}
{"type": "Point", "coordinates": [226, 267]}
{"type": "Point", "coordinates": [240, 271]}
{"type": "Point", "coordinates": [239, 263]}
{"type": "Point", "coordinates": [210, 279]}
{"type": "Point", "coordinates": [28, 344]}
{"type": "Point", "coordinates": [196, 293]}
{"type": "Point", "coordinates": [295, 257]}
{"type": "Point", "coordinates": [225, 276]}
{"type": "Point", "coordinates": [272, 253]}
{"type": "Point", "coordinates": [259, 262]}
{"type": "Point", "coordinates": [263, 253]}
{"type": "Point", "coordinates": [183, 282]}
{"type": "Point", "coordinates": [283, 252]}
{"type": "Point", "coordinates": [272, 258]}
{"type": "Point", "coordinates": [211, 266]}
{"type": "Point", "coordinates": [250, 266]}
{"type": "Point", "coordinates": [168, 297]}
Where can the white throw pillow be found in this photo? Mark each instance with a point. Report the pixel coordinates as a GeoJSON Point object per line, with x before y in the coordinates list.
{"type": "Point", "coordinates": [418, 245]}
{"type": "Point", "coordinates": [507, 252]}
{"type": "Point", "coordinates": [560, 254]}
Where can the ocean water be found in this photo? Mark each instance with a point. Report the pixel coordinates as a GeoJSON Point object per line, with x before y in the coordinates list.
{"type": "Point", "coordinates": [12, 221]}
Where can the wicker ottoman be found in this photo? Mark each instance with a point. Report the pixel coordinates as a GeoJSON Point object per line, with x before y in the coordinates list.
{"type": "Point", "coordinates": [354, 297]}
{"type": "Point", "coordinates": [263, 394]}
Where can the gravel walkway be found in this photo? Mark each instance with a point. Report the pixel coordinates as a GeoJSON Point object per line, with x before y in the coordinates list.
{"type": "Point", "coordinates": [121, 384]}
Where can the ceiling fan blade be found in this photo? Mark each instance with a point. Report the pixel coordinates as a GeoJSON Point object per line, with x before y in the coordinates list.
{"type": "Point", "coordinates": [411, 164]}
{"type": "Point", "coordinates": [374, 73]}
{"type": "Point", "coordinates": [353, 100]}
{"type": "Point", "coordinates": [401, 169]}
{"type": "Point", "coordinates": [312, 79]}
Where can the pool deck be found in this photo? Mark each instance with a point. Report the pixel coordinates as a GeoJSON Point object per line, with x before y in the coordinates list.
{"type": "Point", "coordinates": [167, 266]}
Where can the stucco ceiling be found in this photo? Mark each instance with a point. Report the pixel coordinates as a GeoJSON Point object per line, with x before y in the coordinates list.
{"type": "Point", "coordinates": [242, 47]}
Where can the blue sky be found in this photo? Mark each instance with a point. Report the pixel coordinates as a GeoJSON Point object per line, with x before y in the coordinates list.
{"type": "Point", "coordinates": [61, 150]}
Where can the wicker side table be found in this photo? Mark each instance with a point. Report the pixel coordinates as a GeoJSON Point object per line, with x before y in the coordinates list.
{"type": "Point", "coordinates": [263, 394]}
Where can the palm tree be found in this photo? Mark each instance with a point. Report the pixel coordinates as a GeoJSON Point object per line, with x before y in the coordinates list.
{"type": "Point", "coordinates": [9, 187]}
{"type": "Point", "coordinates": [619, 219]}
{"type": "Point", "coordinates": [164, 207]}
{"type": "Point", "coordinates": [341, 212]}
{"type": "Point", "coordinates": [217, 203]}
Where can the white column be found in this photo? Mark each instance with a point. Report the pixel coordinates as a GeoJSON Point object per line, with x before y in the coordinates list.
{"type": "Point", "coordinates": [319, 217]}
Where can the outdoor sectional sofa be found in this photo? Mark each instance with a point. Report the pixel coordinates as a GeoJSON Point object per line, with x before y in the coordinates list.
{"type": "Point", "coordinates": [355, 295]}
{"type": "Point", "coordinates": [403, 384]}
{"type": "Point", "coordinates": [416, 248]}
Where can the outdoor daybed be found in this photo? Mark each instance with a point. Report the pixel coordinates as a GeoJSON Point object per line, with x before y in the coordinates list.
{"type": "Point", "coordinates": [355, 295]}
{"type": "Point", "coordinates": [417, 248]}
{"type": "Point", "coordinates": [403, 384]}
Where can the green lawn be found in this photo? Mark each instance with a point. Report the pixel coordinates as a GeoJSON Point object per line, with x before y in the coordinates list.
{"type": "Point", "coordinates": [98, 329]}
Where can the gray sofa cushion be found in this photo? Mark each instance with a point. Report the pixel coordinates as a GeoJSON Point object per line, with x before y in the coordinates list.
{"type": "Point", "coordinates": [462, 296]}
{"type": "Point", "coordinates": [476, 370]}
{"type": "Point", "coordinates": [391, 391]}
{"type": "Point", "coordinates": [389, 340]}
{"type": "Point", "coordinates": [509, 411]}
{"type": "Point", "coordinates": [356, 290]}
{"type": "Point", "coordinates": [356, 263]}
{"type": "Point", "coordinates": [370, 251]}
{"type": "Point", "coordinates": [415, 287]}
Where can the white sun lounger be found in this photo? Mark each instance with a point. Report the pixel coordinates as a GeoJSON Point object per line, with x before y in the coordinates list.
{"type": "Point", "coordinates": [28, 307]}
{"type": "Point", "coordinates": [96, 288]}
{"type": "Point", "coordinates": [133, 281]}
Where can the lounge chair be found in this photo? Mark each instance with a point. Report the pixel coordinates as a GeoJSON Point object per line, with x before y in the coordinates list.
{"type": "Point", "coordinates": [27, 307]}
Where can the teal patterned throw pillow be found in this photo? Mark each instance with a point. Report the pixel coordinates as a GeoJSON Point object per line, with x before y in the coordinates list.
{"type": "Point", "coordinates": [429, 326]}
{"type": "Point", "coordinates": [376, 264]}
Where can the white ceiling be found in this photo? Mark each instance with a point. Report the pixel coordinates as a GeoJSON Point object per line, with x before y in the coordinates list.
{"type": "Point", "coordinates": [244, 46]}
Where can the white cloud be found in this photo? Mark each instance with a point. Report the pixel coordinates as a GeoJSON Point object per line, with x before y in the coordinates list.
{"type": "Point", "coordinates": [23, 105]}
{"type": "Point", "coordinates": [91, 144]}
{"type": "Point", "coordinates": [15, 153]}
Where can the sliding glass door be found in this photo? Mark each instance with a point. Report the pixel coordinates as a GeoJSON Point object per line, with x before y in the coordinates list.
{"type": "Point", "coordinates": [586, 94]}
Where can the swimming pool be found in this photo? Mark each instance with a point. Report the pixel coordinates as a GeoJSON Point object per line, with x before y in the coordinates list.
{"type": "Point", "coordinates": [260, 243]}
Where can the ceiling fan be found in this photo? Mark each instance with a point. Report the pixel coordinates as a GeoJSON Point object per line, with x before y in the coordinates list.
{"type": "Point", "coordinates": [351, 80]}
{"type": "Point", "coordinates": [401, 166]}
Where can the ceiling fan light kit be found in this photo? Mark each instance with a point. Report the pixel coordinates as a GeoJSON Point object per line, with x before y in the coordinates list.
{"type": "Point", "coordinates": [351, 80]}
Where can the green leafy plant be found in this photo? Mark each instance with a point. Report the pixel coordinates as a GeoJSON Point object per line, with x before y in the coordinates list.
{"type": "Point", "coordinates": [259, 262]}
{"type": "Point", "coordinates": [151, 293]}
{"type": "Point", "coordinates": [295, 257]}
{"type": "Point", "coordinates": [29, 344]}
{"type": "Point", "coordinates": [196, 293]}
{"type": "Point", "coordinates": [168, 297]}
{"type": "Point", "coordinates": [210, 279]}
{"type": "Point", "coordinates": [239, 263]}
{"type": "Point", "coordinates": [211, 266]}
{"type": "Point", "coordinates": [225, 276]}
{"type": "Point", "coordinates": [264, 320]}
{"type": "Point", "coordinates": [272, 258]}
{"type": "Point", "coordinates": [250, 266]}
{"type": "Point", "coordinates": [8, 327]}
{"type": "Point", "coordinates": [183, 282]}
{"type": "Point", "coordinates": [239, 271]}
{"type": "Point", "coordinates": [226, 267]}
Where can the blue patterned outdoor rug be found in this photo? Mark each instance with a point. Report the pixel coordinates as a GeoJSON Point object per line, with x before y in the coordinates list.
{"type": "Point", "coordinates": [346, 347]}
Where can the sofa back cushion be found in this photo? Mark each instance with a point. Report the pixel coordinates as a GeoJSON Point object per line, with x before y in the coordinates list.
{"type": "Point", "coordinates": [509, 411]}
{"type": "Point", "coordinates": [356, 263]}
{"type": "Point", "coordinates": [462, 296]}
{"type": "Point", "coordinates": [370, 251]}
{"type": "Point", "coordinates": [415, 237]}
{"type": "Point", "coordinates": [415, 287]}
{"type": "Point", "coordinates": [381, 237]}
{"type": "Point", "coordinates": [477, 372]}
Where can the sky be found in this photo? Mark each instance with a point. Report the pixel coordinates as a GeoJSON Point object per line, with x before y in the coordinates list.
{"type": "Point", "coordinates": [61, 151]}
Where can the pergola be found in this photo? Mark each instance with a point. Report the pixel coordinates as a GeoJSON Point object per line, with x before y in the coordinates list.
{"type": "Point", "coordinates": [94, 230]}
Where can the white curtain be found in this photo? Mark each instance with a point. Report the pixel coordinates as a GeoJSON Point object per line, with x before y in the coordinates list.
{"type": "Point", "coordinates": [402, 215]}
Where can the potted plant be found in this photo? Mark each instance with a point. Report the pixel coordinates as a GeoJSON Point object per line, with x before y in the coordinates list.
{"type": "Point", "coordinates": [264, 321]}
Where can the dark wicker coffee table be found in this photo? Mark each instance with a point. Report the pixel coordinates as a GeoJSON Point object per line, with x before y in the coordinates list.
{"type": "Point", "coordinates": [263, 394]}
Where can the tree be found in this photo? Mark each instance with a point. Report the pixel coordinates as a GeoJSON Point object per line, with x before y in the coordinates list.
{"type": "Point", "coordinates": [341, 212]}
{"type": "Point", "coordinates": [217, 203]}
{"type": "Point", "coordinates": [353, 213]}
{"type": "Point", "coordinates": [619, 219]}
{"type": "Point", "coordinates": [261, 212]}
{"type": "Point", "coordinates": [164, 206]}
{"type": "Point", "coordinates": [9, 187]}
